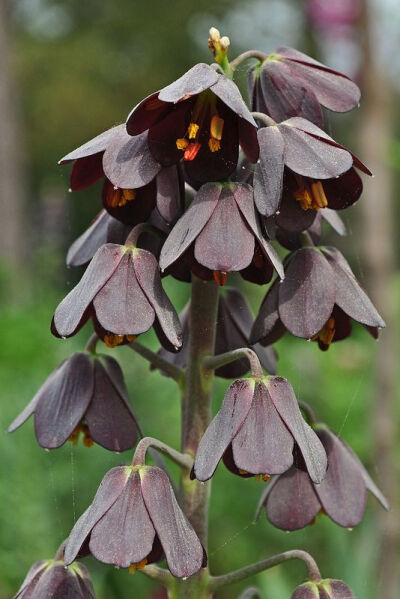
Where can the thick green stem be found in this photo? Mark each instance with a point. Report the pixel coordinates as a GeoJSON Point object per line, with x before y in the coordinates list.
{"type": "Point", "coordinates": [196, 415]}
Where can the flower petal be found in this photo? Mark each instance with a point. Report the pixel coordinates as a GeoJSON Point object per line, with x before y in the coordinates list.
{"type": "Point", "coordinates": [95, 146]}
{"type": "Point", "coordinates": [193, 82]}
{"type": "Point", "coordinates": [268, 176]}
{"type": "Point", "coordinates": [170, 193]}
{"type": "Point", "coordinates": [57, 581]}
{"type": "Point", "coordinates": [227, 91]}
{"type": "Point", "coordinates": [85, 172]}
{"type": "Point", "coordinates": [267, 327]}
{"type": "Point", "coordinates": [223, 428]}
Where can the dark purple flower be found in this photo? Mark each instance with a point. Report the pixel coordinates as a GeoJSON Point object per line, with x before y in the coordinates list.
{"type": "Point", "coordinates": [222, 232]}
{"type": "Point", "coordinates": [319, 172]}
{"type": "Point", "coordinates": [202, 118]}
{"type": "Point", "coordinates": [289, 83]}
{"type": "Point", "coordinates": [318, 299]}
{"type": "Point", "coordinates": [234, 322]}
{"type": "Point", "coordinates": [256, 430]}
{"type": "Point", "coordinates": [85, 394]}
{"type": "Point", "coordinates": [121, 291]}
{"type": "Point", "coordinates": [292, 501]}
{"type": "Point", "coordinates": [327, 588]}
{"type": "Point", "coordinates": [134, 182]}
{"type": "Point", "coordinates": [50, 579]}
{"type": "Point", "coordinates": [135, 520]}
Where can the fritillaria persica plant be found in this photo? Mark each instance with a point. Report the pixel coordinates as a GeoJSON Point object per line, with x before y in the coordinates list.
{"type": "Point", "coordinates": [198, 185]}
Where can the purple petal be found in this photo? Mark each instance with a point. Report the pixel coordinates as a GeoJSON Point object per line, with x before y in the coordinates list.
{"type": "Point", "coordinates": [146, 114]}
{"type": "Point", "coordinates": [125, 534]}
{"type": "Point", "coordinates": [58, 582]}
{"type": "Point", "coordinates": [248, 140]}
{"type": "Point", "coordinates": [182, 548]}
{"type": "Point", "coordinates": [263, 444]}
{"type": "Point", "coordinates": [227, 91]}
{"type": "Point", "coordinates": [339, 590]}
{"type": "Point", "coordinates": [110, 420]}
{"type": "Point", "coordinates": [127, 161]}
{"type": "Point", "coordinates": [334, 220]}
{"type": "Point", "coordinates": [121, 306]}
{"type": "Point", "coordinates": [71, 311]}
{"type": "Point", "coordinates": [164, 134]}
{"type": "Point", "coordinates": [63, 403]}
{"type": "Point", "coordinates": [225, 243]}
{"type": "Point", "coordinates": [94, 146]}
{"type": "Point", "coordinates": [85, 172]}
{"type": "Point", "coordinates": [350, 296]}
{"type": "Point", "coordinates": [268, 176]}
{"type": "Point", "coordinates": [292, 503]}
{"type": "Point", "coordinates": [311, 448]}
{"type": "Point", "coordinates": [170, 193]}
{"type": "Point", "coordinates": [30, 408]}
{"type": "Point", "coordinates": [148, 276]}
{"type": "Point", "coordinates": [31, 579]}
{"type": "Point", "coordinates": [107, 494]}
{"type": "Point", "coordinates": [134, 211]}
{"type": "Point", "coordinates": [193, 82]}
{"type": "Point", "coordinates": [308, 590]}
{"type": "Point", "coordinates": [307, 295]}
{"type": "Point", "coordinates": [190, 224]}
{"type": "Point", "coordinates": [291, 216]}
{"type": "Point", "coordinates": [267, 326]}
{"type": "Point", "coordinates": [344, 191]}
{"type": "Point", "coordinates": [223, 428]}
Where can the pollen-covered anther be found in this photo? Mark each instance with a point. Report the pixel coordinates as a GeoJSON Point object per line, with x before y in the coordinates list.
{"type": "Point", "coordinates": [120, 197]}
{"type": "Point", "coordinates": [191, 151]}
{"type": "Point", "coordinates": [318, 194]}
{"type": "Point", "coordinates": [214, 144]}
{"type": "Point", "coordinates": [112, 340]}
{"type": "Point", "coordinates": [130, 338]}
{"type": "Point", "coordinates": [303, 196]}
{"type": "Point", "coordinates": [137, 566]}
{"type": "Point", "coordinates": [220, 277]}
{"type": "Point", "coordinates": [193, 130]}
{"type": "Point", "coordinates": [84, 429]}
{"type": "Point", "coordinates": [182, 143]}
{"type": "Point", "coordinates": [216, 127]}
{"type": "Point", "coordinates": [263, 477]}
{"type": "Point", "coordinates": [326, 334]}
{"type": "Point", "coordinates": [311, 197]}
{"type": "Point", "coordinates": [242, 472]}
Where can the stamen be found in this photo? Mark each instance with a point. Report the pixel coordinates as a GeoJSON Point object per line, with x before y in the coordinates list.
{"type": "Point", "coordinates": [326, 334]}
{"type": "Point", "coordinates": [191, 151]}
{"type": "Point", "coordinates": [137, 566]}
{"type": "Point", "coordinates": [220, 277]}
{"type": "Point", "coordinates": [242, 472]}
{"type": "Point", "coordinates": [318, 195]}
{"type": "Point", "coordinates": [112, 340]}
{"type": "Point", "coordinates": [263, 477]}
{"type": "Point", "coordinates": [304, 198]}
{"type": "Point", "coordinates": [130, 338]}
{"type": "Point", "coordinates": [214, 144]}
{"type": "Point", "coordinates": [121, 196]}
{"type": "Point", "coordinates": [311, 197]}
{"type": "Point", "coordinates": [182, 143]}
{"type": "Point", "coordinates": [193, 129]}
{"type": "Point", "coordinates": [216, 127]}
{"type": "Point", "coordinates": [84, 429]}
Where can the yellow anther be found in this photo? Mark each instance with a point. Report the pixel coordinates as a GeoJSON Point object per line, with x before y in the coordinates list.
{"type": "Point", "coordinates": [137, 566]}
{"type": "Point", "coordinates": [326, 334]}
{"type": "Point", "coordinates": [112, 340]}
{"type": "Point", "coordinates": [193, 129]}
{"type": "Point", "coordinates": [87, 439]}
{"type": "Point", "coordinates": [266, 478]}
{"type": "Point", "coordinates": [304, 198]}
{"type": "Point", "coordinates": [242, 472]}
{"type": "Point", "coordinates": [318, 194]}
{"type": "Point", "coordinates": [182, 143]}
{"type": "Point", "coordinates": [214, 144]}
{"type": "Point", "coordinates": [74, 436]}
{"type": "Point", "coordinates": [216, 127]}
{"type": "Point", "coordinates": [129, 194]}
{"type": "Point", "coordinates": [130, 338]}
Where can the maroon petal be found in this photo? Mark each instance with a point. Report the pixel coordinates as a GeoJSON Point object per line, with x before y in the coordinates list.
{"type": "Point", "coordinates": [342, 493]}
{"type": "Point", "coordinates": [225, 243]}
{"type": "Point", "coordinates": [85, 172]}
{"type": "Point", "coordinates": [263, 444]}
{"type": "Point", "coordinates": [104, 229]}
{"type": "Point", "coordinates": [223, 428]}
{"type": "Point", "coordinates": [127, 161]}
{"type": "Point", "coordinates": [121, 306]}
{"type": "Point", "coordinates": [312, 156]}
{"type": "Point", "coordinates": [190, 224]}
{"type": "Point", "coordinates": [163, 135]}
{"type": "Point", "coordinates": [146, 114]}
{"type": "Point", "coordinates": [193, 82]}
{"type": "Point", "coordinates": [267, 326]}
{"type": "Point", "coordinates": [311, 448]}
{"type": "Point", "coordinates": [248, 140]}
{"type": "Point", "coordinates": [148, 276]}
{"type": "Point", "coordinates": [170, 193]}
{"type": "Point", "coordinates": [285, 97]}
{"type": "Point", "coordinates": [291, 217]}
{"type": "Point", "coordinates": [70, 313]}
{"type": "Point", "coordinates": [110, 420]}
{"type": "Point", "coordinates": [134, 211]}
{"type": "Point", "coordinates": [350, 296]}
{"type": "Point", "coordinates": [94, 146]}
{"type": "Point", "coordinates": [63, 402]}
{"type": "Point", "coordinates": [182, 548]}
{"type": "Point", "coordinates": [107, 494]}
{"type": "Point", "coordinates": [227, 91]}
{"type": "Point", "coordinates": [292, 503]}
{"type": "Point", "coordinates": [268, 176]}
{"type": "Point", "coordinates": [307, 295]}
{"type": "Point", "coordinates": [344, 191]}
{"type": "Point", "coordinates": [125, 534]}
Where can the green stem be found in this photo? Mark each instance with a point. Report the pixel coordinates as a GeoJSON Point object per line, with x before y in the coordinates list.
{"type": "Point", "coordinates": [246, 55]}
{"type": "Point", "coordinates": [184, 461]}
{"type": "Point", "coordinates": [215, 362]}
{"type": "Point", "coordinates": [217, 582]}
{"type": "Point", "coordinates": [158, 362]}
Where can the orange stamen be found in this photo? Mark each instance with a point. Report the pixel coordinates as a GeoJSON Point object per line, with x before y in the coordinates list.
{"type": "Point", "coordinates": [220, 277]}
{"type": "Point", "coordinates": [191, 151]}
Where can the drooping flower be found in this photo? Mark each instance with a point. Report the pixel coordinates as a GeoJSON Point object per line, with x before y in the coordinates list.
{"type": "Point", "coordinates": [202, 118]}
{"type": "Point", "coordinates": [318, 299]}
{"type": "Point", "coordinates": [292, 501]}
{"type": "Point", "coordinates": [234, 322]}
{"type": "Point", "coordinates": [289, 83]}
{"type": "Point", "coordinates": [256, 430]}
{"type": "Point", "coordinates": [85, 394]}
{"type": "Point", "coordinates": [132, 178]}
{"type": "Point", "coordinates": [50, 579]}
{"type": "Point", "coordinates": [222, 233]}
{"type": "Point", "coordinates": [327, 588]}
{"type": "Point", "coordinates": [121, 291]}
{"type": "Point", "coordinates": [319, 172]}
{"type": "Point", "coordinates": [135, 520]}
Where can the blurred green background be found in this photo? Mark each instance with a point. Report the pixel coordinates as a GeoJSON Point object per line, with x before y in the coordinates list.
{"type": "Point", "coordinates": [71, 69]}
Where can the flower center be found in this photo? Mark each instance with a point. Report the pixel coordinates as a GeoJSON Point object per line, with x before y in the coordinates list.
{"type": "Point", "coordinates": [137, 566]}
{"type": "Point", "coordinates": [112, 340]}
{"type": "Point", "coordinates": [311, 196]}
{"type": "Point", "coordinates": [326, 334]}
{"type": "Point", "coordinates": [84, 429]}
{"type": "Point", "coordinates": [204, 115]}
{"type": "Point", "coordinates": [120, 197]}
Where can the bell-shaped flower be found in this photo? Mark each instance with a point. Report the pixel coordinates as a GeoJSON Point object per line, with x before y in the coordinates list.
{"type": "Point", "coordinates": [135, 520]}
{"type": "Point", "coordinates": [292, 500]}
{"type": "Point", "coordinates": [234, 322]}
{"type": "Point", "coordinates": [326, 588]}
{"type": "Point", "coordinates": [121, 291]}
{"type": "Point", "coordinates": [50, 579]}
{"type": "Point", "coordinates": [256, 431]}
{"type": "Point", "coordinates": [318, 299]}
{"type": "Point", "coordinates": [319, 172]}
{"type": "Point", "coordinates": [222, 231]}
{"type": "Point", "coordinates": [289, 83]}
{"type": "Point", "coordinates": [86, 394]}
{"type": "Point", "coordinates": [202, 118]}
